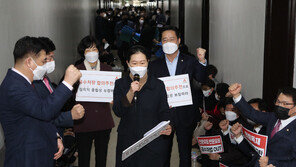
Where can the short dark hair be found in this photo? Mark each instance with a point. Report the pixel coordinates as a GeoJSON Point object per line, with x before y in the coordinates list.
{"type": "Point", "coordinates": [288, 91]}
{"type": "Point", "coordinates": [136, 49]}
{"type": "Point", "coordinates": [99, 11]}
{"type": "Point", "coordinates": [171, 28]}
{"type": "Point", "coordinates": [50, 47]}
{"type": "Point", "coordinates": [27, 45]}
{"type": "Point", "coordinates": [85, 43]}
{"type": "Point", "coordinates": [211, 69]}
{"type": "Point", "coordinates": [210, 83]}
{"type": "Point", "coordinates": [261, 104]}
{"type": "Point", "coordinates": [222, 89]}
{"type": "Point", "coordinates": [228, 100]}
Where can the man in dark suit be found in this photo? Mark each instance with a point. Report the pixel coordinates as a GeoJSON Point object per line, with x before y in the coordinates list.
{"type": "Point", "coordinates": [280, 124]}
{"type": "Point", "coordinates": [185, 118]}
{"type": "Point", "coordinates": [44, 88]}
{"type": "Point", "coordinates": [31, 140]}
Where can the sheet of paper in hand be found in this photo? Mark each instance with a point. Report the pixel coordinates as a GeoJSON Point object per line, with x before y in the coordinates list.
{"type": "Point", "coordinates": [148, 137]}
{"type": "Point", "coordinates": [257, 141]}
{"type": "Point", "coordinates": [97, 86]}
{"type": "Point", "coordinates": [210, 144]}
{"type": "Point", "coordinates": [178, 90]}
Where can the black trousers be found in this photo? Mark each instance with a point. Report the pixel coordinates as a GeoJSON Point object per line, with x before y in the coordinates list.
{"type": "Point", "coordinates": [122, 54]}
{"type": "Point", "coordinates": [84, 141]}
{"type": "Point", "coordinates": [184, 139]}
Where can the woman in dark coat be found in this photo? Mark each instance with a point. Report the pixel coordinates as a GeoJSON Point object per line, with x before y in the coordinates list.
{"type": "Point", "coordinates": [141, 114]}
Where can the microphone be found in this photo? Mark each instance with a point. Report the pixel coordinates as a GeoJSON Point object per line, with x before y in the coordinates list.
{"type": "Point", "coordinates": [136, 78]}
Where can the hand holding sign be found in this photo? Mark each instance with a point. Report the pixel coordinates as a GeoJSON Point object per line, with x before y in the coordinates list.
{"type": "Point", "coordinates": [235, 90]}
{"type": "Point", "coordinates": [224, 125]}
{"type": "Point", "coordinates": [236, 129]}
{"type": "Point", "coordinates": [167, 131]}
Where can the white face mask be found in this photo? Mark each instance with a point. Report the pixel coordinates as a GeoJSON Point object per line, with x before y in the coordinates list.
{"type": "Point", "coordinates": [141, 21]}
{"type": "Point", "coordinates": [104, 15]}
{"type": "Point", "coordinates": [207, 93]}
{"type": "Point", "coordinates": [217, 97]}
{"type": "Point", "coordinates": [39, 72]}
{"type": "Point", "coordinates": [230, 115]}
{"type": "Point", "coordinates": [169, 48]}
{"type": "Point", "coordinates": [92, 56]}
{"type": "Point", "coordinates": [138, 70]}
{"type": "Point", "coordinates": [50, 66]}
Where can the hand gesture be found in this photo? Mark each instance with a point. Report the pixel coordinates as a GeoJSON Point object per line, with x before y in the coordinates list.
{"type": "Point", "coordinates": [167, 131]}
{"type": "Point", "coordinates": [77, 112]}
{"type": "Point", "coordinates": [204, 116]}
{"type": "Point", "coordinates": [235, 90]}
{"type": "Point", "coordinates": [236, 129]}
{"type": "Point", "coordinates": [201, 54]}
{"type": "Point", "coordinates": [61, 149]}
{"type": "Point", "coordinates": [208, 125]}
{"type": "Point", "coordinates": [214, 156]}
{"type": "Point", "coordinates": [263, 161]}
{"type": "Point", "coordinates": [224, 125]}
{"type": "Point", "coordinates": [135, 86]}
{"type": "Point", "coordinates": [72, 75]}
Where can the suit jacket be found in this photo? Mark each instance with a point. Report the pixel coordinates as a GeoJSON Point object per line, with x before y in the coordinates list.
{"type": "Point", "coordinates": [185, 116]}
{"type": "Point", "coordinates": [281, 149]}
{"type": "Point", "coordinates": [65, 118]}
{"type": "Point", "coordinates": [30, 137]}
{"type": "Point", "coordinates": [138, 118]}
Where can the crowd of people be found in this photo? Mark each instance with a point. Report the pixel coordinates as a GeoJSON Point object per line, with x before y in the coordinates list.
{"type": "Point", "coordinates": [44, 125]}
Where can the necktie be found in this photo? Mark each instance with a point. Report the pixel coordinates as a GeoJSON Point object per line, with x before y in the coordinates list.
{"type": "Point", "coordinates": [276, 128]}
{"type": "Point", "coordinates": [47, 84]}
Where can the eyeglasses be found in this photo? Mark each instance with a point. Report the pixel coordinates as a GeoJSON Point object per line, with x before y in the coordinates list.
{"type": "Point", "coordinates": [277, 102]}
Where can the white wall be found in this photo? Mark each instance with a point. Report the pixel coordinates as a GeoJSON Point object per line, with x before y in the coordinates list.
{"type": "Point", "coordinates": [64, 21]}
{"type": "Point", "coordinates": [237, 42]}
{"type": "Point", "coordinates": [193, 24]}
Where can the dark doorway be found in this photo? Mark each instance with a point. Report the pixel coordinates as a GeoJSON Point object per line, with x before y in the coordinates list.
{"type": "Point", "coordinates": [182, 19]}
{"type": "Point", "coordinates": [205, 36]}
{"type": "Point", "coordinates": [279, 47]}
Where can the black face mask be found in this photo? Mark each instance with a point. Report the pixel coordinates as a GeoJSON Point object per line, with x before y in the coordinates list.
{"type": "Point", "coordinates": [281, 112]}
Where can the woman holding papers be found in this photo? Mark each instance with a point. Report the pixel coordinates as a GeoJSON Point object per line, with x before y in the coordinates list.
{"type": "Point", "coordinates": [97, 122]}
{"type": "Point", "coordinates": [141, 104]}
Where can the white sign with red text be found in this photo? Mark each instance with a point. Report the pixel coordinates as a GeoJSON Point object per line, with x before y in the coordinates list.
{"type": "Point", "coordinates": [210, 144]}
{"type": "Point", "coordinates": [178, 90]}
{"type": "Point", "coordinates": [97, 86]}
{"type": "Point", "coordinates": [257, 141]}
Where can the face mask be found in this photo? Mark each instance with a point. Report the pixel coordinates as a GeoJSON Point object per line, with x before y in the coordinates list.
{"type": "Point", "coordinates": [158, 12]}
{"type": "Point", "coordinates": [169, 48]}
{"type": "Point", "coordinates": [281, 112]}
{"type": "Point", "coordinates": [50, 66]}
{"type": "Point", "coordinates": [92, 56]}
{"type": "Point", "coordinates": [207, 93]}
{"type": "Point", "coordinates": [141, 21]}
{"type": "Point", "coordinates": [39, 72]}
{"type": "Point", "coordinates": [104, 15]}
{"type": "Point", "coordinates": [251, 122]}
{"type": "Point", "coordinates": [138, 70]}
{"type": "Point", "coordinates": [230, 115]}
{"type": "Point", "coordinates": [217, 97]}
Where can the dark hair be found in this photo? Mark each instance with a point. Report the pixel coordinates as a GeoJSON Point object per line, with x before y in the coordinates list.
{"type": "Point", "coordinates": [99, 11]}
{"type": "Point", "coordinates": [288, 91]}
{"type": "Point", "coordinates": [85, 43]}
{"type": "Point", "coordinates": [135, 49]}
{"type": "Point", "coordinates": [222, 89]}
{"type": "Point", "coordinates": [48, 43]}
{"type": "Point", "coordinates": [211, 69]}
{"type": "Point", "coordinates": [27, 45]}
{"type": "Point", "coordinates": [210, 83]}
{"type": "Point", "coordinates": [171, 28]}
{"type": "Point", "coordinates": [228, 100]}
{"type": "Point", "coordinates": [261, 104]}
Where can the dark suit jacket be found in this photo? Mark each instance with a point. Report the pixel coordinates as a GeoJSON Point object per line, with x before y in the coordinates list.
{"type": "Point", "coordinates": [30, 137]}
{"type": "Point", "coordinates": [281, 149]}
{"type": "Point", "coordinates": [138, 118]}
{"type": "Point", "coordinates": [184, 116]}
{"type": "Point", "coordinates": [65, 118]}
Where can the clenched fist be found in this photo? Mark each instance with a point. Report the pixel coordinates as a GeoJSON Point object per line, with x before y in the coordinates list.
{"type": "Point", "coordinates": [224, 125]}
{"type": "Point", "coordinates": [135, 86]}
{"type": "Point", "coordinates": [236, 129]}
{"type": "Point", "coordinates": [201, 54]}
{"type": "Point", "coordinates": [208, 125]}
{"type": "Point", "coordinates": [235, 90]}
{"type": "Point", "coordinates": [72, 75]}
{"type": "Point", "coordinates": [77, 112]}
